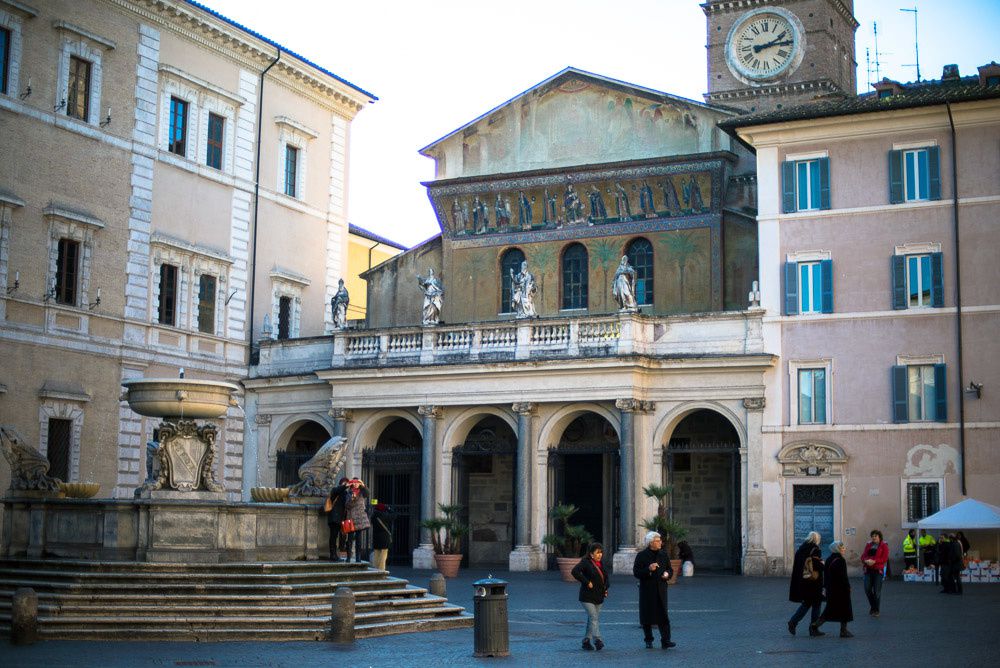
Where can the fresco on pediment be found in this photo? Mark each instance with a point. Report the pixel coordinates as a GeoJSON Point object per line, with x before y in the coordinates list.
{"type": "Point", "coordinates": [586, 203]}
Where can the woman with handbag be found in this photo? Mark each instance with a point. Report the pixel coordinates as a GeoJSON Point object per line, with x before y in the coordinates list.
{"type": "Point", "coordinates": [334, 516]}
{"type": "Point", "coordinates": [593, 591]}
{"type": "Point", "coordinates": [382, 518]}
{"type": "Point", "coordinates": [806, 586]}
{"type": "Point", "coordinates": [356, 523]}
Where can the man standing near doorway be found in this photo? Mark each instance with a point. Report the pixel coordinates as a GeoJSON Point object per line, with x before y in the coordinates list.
{"type": "Point", "coordinates": [652, 569]}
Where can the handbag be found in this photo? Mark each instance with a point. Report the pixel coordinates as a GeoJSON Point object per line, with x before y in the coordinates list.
{"type": "Point", "coordinates": [328, 506]}
{"type": "Point", "coordinates": [347, 526]}
{"type": "Point", "coordinates": [809, 572]}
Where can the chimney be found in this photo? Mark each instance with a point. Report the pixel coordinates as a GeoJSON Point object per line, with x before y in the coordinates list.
{"type": "Point", "coordinates": [989, 75]}
{"type": "Point", "coordinates": [950, 74]}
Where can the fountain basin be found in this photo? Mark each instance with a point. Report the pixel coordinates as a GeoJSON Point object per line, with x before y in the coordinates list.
{"type": "Point", "coordinates": [179, 397]}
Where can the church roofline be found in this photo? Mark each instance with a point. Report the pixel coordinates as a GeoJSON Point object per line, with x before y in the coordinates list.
{"type": "Point", "coordinates": [573, 71]}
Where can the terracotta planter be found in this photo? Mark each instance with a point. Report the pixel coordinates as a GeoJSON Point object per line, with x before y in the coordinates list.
{"type": "Point", "coordinates": [566, 565]}
{"type": "Point", "coordinates": [447, 564]}
{"type": "Point", "coordinates": [675, 564]}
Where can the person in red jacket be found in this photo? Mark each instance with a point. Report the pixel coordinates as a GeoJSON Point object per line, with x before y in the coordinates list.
{"type": "Point", "coordinates": [873, 560]}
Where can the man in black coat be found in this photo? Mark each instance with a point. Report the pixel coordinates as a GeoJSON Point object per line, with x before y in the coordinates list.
{"type": "Point", "coordinates": [652, 569]}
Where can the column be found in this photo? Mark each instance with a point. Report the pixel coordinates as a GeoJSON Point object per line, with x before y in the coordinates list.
{"type": "Point", "coordinates": [423, 555]}
{"type": "Point", "coordinates": [626, 472]}
{"type": "Point", "coordinates": [755, 559]}
{"type": "Point", "coordinates": [341, 416]}
{"type": "Point", "coordinates": [526, 556]}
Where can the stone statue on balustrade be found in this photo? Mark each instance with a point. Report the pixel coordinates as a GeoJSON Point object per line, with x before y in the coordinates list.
{"type": "Point", "coordinates": [29, 469]}
{"type": "Point", "coordinates": [433, 293]}
{"type": "Point", "coordinates": [319, 475]}
{"type": "Point", "coordinates": [338, 304]}
{"type": "Point", "coordinates": [623, 287]}
{"type": "Point", "coordinates": [522, 292]}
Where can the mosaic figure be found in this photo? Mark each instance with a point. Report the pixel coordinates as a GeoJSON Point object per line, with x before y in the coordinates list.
{"type": "Point", "coordinates": [502, 208]}
{"type": "Point", "coordinates": [622, 206]}
{"type": "Point", "coordinates": [597, 209]}
{"type": "Point", "coordinates": [573, 205]}
{"type": "Point", "coordinates": [646, 201]}
{"type": "Point", "coordinates": [523, 211]}
{"type": "Point", "coordinates": [670, 201]}
{"type": "Point", "coordinates": [692, 195]}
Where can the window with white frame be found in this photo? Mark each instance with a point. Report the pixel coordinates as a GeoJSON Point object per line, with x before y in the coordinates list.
{"type": "Point", "coordinates": [188, 285]}
{"type": "Point", "coordinates": [10, 47]}
{"type": "Point", "coordinates": [805, 184]}
{"type": "Point", "coordinates": [80, 73]}
{"type": "Point", "coordinates": [918, 276]}
{"type": "Point", "coordinates": [808, 283]}
{"type": "Point", "coordinates": [919, 390]}
{"type": "Point", "coordinates": [197, 119]}
{"type": "Point", "coordinates": [812, 396]}
{"type": "Point", "coordinates": [293, 143]}
{"type": "Point", "coordinates": [71, 248]}
{"type": "Point", "coordinates": [921, 499]}
{"type": "Point", "coordinates": [914, 173]}
{"type": "Point", "coordinates": [286, 302]}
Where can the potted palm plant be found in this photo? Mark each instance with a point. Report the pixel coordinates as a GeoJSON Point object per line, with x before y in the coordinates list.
{"type": "Point", "coordinates": [570, 542]}
{"type": "Point", "coordinates": [671, 531]}
{"type": "Point", "coordinates": [446, 536]}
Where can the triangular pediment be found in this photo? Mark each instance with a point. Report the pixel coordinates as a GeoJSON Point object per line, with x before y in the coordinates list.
{"type": "Point", "coordinates": [577, 118]}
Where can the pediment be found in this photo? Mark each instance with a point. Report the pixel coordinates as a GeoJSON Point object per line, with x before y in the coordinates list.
{"type": "Point", "coordinates": [812, 458]}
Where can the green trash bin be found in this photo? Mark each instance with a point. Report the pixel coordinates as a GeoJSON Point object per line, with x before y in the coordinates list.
{"type": "Point", "coordinates": [490, 610]}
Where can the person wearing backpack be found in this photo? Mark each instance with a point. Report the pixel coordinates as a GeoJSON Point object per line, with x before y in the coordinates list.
{"type": "Point", "coordinates": [806, 586]}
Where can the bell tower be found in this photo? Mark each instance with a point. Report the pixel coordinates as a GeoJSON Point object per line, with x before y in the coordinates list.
{"type": "Point", "coordinates": [765, 55]}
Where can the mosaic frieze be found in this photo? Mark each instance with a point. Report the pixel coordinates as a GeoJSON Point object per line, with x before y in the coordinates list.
{"type": "Point", "coordinates": [548, 202]}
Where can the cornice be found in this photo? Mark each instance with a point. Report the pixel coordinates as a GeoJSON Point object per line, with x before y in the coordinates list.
{"type": "Point", "coordinates": [106, 44]}
{"type": "Point", "coordinates": [27, 11]}
{"type": "Point", "coordinates": [750, 92]}
{"type": "Point", "coordinates": [216, 36]}
{"type": "Point", "coordinates": [190, 79]}
{"type": "Point", "coordinates": [724, 6]}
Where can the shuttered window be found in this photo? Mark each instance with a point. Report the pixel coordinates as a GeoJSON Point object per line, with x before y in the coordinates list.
{"type": "Point", "coordinates": [78, 88]}
{"type": "Point", "coordinates": [59, 440]}
{"type": "Point", "coordinates": [213, 152]}
{"type": "Point", "coordinates": [914, 175]}
{"type": "Point", "coordinates": [67, 270]}
{"type": "Point", "coordinates": [918, 281]}
{"type": "Point", "coordinates": [919, 393]}
{"type": "Point", "coordinates": [805, 185]}
{"type": "Point", "coordinates": [809, 287]}
{"type": "Point", "coordinates": [291, 170]}
{"type": "Point", "coordinates": [167, 309]}
{"type": "Point", "coordinates": [206, 304]}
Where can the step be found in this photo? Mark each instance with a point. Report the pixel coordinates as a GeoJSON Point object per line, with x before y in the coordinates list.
{"type": "Point", "coordinates": [200, 588]}
{"type": "Point", "coordinates": [400, 615]}
{"type": "Point", "coordinates": [419, 626]}
{"type": "Point", "coordinates": [61, 565]}
{"type": "Point", "coordinates": [14, 575]}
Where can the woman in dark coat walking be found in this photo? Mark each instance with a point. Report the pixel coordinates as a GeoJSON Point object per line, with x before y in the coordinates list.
{"type": "Point", "coordinates": [652, 569]}
{"type": "Point", "coordinates": [838, 592]}
{"type": "Point", "coordinates": [807, 593]}
{"type": "Point", "coordinates": [593, 591]}
{"type": "Point", "coordinates": [334, 517]}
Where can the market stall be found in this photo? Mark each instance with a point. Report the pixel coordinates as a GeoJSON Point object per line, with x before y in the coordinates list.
{"type": "Point", "coordinates": [981, 524]}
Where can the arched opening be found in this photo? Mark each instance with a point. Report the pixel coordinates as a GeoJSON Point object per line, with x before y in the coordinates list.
{"type": "Point", "coordinates": [703, 465]}
{"type": "Point", "coordinates": [304, 442]}
{"type": "Point", "coordinates": [575, 268]}
{"type": "Point", "coordinates": [392, 472]}
{"type": "Point", "coordinates": [483, 484]}
{"type": "Point", "coordinates": [640, 256]}
{"type": "Point", "coordinates": [583, 471]}
{"type": "Point", "coordinates": [510, 261]}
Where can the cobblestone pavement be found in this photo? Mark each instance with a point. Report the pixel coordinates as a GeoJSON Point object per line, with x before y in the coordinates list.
{"type": "Point", "coordinates": [717, 621]}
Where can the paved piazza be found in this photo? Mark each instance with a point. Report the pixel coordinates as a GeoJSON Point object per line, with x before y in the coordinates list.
{"type": "Point", "coordinates": [717, 621]}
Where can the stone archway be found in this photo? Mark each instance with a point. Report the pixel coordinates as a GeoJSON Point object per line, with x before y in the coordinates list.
{"type": "Point", "coordinates": [702, 464]}
{"type": "Point", "coordinates": [297, 445]}
{"type": "Point", "coordinates": [391, 470]}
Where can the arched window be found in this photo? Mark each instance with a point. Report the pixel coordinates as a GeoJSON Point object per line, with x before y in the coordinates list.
{"type": "Point", "coordinates": [511, 259]}
{"type": "Point", "coordinates": [640, 256]}
{"type": "Point", "coordinates": [574, 277]}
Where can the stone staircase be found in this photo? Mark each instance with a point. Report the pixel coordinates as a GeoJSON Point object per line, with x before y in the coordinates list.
{"type": "Point", "coordinates": [87, 600]}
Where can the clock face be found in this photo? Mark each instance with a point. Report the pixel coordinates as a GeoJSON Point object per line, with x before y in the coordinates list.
{"type": "Point", "coordinates": [763, 45]}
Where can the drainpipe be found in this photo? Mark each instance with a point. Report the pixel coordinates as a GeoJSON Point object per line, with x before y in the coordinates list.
{"type": "Point", "coordinates": [958, 298]}
{"type": "Point", "coordinates": [251, 292]}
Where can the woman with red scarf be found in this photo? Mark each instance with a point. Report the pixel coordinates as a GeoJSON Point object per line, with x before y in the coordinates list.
{"type": "Point", "coordinates": [873, 559]}
{"type": "Point", "coordinates": [593, 591]}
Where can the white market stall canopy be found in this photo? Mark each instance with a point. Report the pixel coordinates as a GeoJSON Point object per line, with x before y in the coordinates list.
{"type": "Point", "coordinates": [968, 514]}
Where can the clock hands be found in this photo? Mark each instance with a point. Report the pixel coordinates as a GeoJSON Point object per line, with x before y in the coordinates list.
{"type": "Point", "coordinates": [760, 47]}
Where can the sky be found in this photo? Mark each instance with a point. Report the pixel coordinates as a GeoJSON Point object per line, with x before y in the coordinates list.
{"type": "Point", "coordinates": [437, 64]}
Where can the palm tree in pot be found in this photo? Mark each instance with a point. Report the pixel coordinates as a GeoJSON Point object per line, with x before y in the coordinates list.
{"type": "Point", "coordinates": [671, 531]}
{"type": "Point", "coordinates": [569, 543]}
{"type": "Point", "coordinates": [446, 537]}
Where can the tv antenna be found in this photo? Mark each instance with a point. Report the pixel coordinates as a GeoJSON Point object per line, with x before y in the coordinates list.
{"type": "Point", "coordinates": [916, 40]}
{"type": "Point", "coordinates": [876, 65]}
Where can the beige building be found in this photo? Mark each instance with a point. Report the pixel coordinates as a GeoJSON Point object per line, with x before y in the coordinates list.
{"type": "Point", "coordinates": [878, 242]}
{"type": "Point", "coordinates": [365, 250]}
{"type": "Point", "coordinates": [167, 179]}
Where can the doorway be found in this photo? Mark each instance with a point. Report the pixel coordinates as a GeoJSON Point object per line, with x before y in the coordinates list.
{"type": "Point", "coordinates": [392, 472]}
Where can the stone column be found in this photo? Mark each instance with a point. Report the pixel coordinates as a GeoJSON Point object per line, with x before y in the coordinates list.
{"type": "Point", "coordinates": [755, 556]}
{"type": "Point", "coordinates": [423, 556]}
{"type": "Point", "coordinates": [626, 549]}
{"type": "Point", "coordinates": [526, 556]}
{"type": "Point", "coordinates": [341, 416]}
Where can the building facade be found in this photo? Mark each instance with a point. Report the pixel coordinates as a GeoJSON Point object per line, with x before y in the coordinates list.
{"type": "Point", "coordinates": [877, 228]}
{"type": "Point", "coordinates": [158, 194]}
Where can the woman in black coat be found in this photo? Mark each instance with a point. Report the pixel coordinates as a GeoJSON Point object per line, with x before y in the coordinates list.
{"type": "Point", "coordinates": [334, 517]}
{"type": "Point", "coordinates": [807, 593]}
{"type": "Point", "coordinates": [652, 569]}
{"type": "Point", "coordinates": [593, 591]}
{"type": "Point", "coordinates": [838, 592]}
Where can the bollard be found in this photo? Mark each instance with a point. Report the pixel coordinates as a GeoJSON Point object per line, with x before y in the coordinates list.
{"type": "Point", "coordinates": [24, 617]}
{"type": "Point", "coordinates": [438, 587]}
{"type": "Point", "coordinates": [342, 615]}
{"type": "Point", "coordinates": [492, 636]}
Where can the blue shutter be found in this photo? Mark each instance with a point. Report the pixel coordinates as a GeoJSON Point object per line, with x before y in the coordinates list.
{"type": "Point", "coordinates": [900, 395]}
{"type": "Point", "coordinates": [895, 177]}
{"type": "Point", "coordinates": [940, 393]}
{"type": "Point", "coordinates": [898, 265]}
{"type": "Point", "coordinates": [826, 285]}
{"type": "Point", "coordinates": [937, 280]}
{"type": "Point", "coordinates": [933, 172]}
{"type": "Point", "coordinates": [791, 288]}
{"type": "Point", "coordinates": [788, 187]}
{"type": "Point", "coordinates": [824, 183]}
